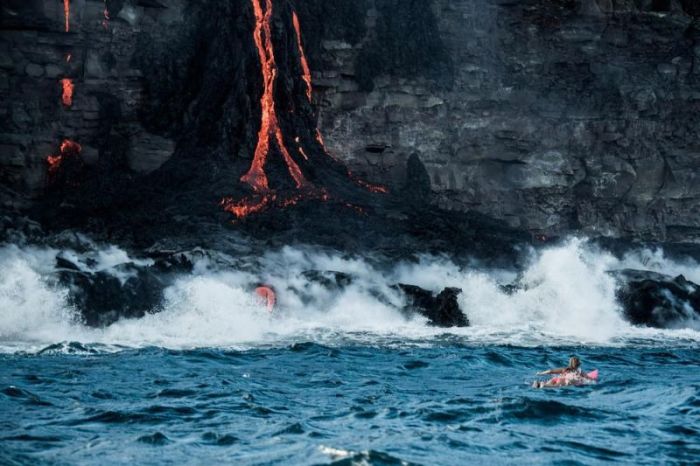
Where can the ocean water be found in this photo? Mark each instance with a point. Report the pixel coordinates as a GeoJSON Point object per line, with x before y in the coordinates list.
{"type": "Point", "coordinates": [343, 377]}
{"type": "Point", "coordinates": [442, 402]}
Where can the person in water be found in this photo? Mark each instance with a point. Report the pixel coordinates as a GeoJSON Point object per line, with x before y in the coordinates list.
{"type": "Point", "coordinates": [569, 375]}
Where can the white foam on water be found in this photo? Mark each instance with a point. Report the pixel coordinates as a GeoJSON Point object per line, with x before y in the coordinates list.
{"type": "Point", "coordinates": [566, 296]}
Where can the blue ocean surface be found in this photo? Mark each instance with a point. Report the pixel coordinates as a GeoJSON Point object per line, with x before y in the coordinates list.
{"type": "Point", "coordinates": [439, 401]}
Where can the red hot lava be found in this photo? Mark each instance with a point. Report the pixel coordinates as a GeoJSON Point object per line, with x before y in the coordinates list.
{"type": "Point", "coordinates": [68, 148]}
{"type": "Point", "coordinates": [66, 13]}
{"type": "Point", "coordinates": [304, 63]}
{"type": "Point", "coordinates": [248, 206]}
{"type": "Point", "coordinates": [68, 88]}
{"type": "Point", "coordinates": [271, 133]}
{"type": "Point", "coordinates": [269, 127]}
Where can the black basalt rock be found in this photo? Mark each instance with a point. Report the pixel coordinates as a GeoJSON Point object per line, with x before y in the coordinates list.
{"type": "Point", "coordinates": [103, 297]}
{"type": "Point", "coordinates": [442, 309]}
{"type": "Point", "coordinates": [657, 300]}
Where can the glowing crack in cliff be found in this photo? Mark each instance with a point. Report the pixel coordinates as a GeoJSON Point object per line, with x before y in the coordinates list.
{"type": "Point", "coordinates": [306, 76]}
{"type": "Point", "coordinates": [68, 148]}
{"type": "Point", "coordinates": [66, 14]}
{"type": "Point", "coordinates": [67, 95]}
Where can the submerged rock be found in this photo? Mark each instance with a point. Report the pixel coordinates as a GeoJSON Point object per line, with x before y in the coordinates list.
{"type": "Point", "coordinates": [658, 300]}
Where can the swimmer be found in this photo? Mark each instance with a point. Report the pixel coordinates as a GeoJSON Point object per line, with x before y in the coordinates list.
{"type": "Point", "coordinates": [565, 376]}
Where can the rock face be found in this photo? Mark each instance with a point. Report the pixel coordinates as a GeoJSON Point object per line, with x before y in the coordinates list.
{"type": "Point", "coordinates": [657, 300]}
{"type": "Point", "coordinates": [553, 115]}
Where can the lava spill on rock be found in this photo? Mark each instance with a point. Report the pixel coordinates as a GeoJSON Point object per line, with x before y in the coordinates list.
{"type": "Point", "coordinates": [67, 96]}
{"type": "Point", "coordinates": [248, 206]}
{"type": "Point", "coordinates": [67, 149]}
{"type": "Point", "coordinates": [304, 62]}
{"type": "Point", "coordinates": [269, 127]}
{"type": "Point", "coordinates": [270, 135]}
{"type": "Point", "coordinates": [66, 13]}
{"type": "Point", "coordinates": [371, 187]}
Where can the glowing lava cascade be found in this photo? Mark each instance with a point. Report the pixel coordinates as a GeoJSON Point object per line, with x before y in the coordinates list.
{"type": "Point", "coordinates": [270, 131]}
{"type": "Point", "coordinates": [304, 63]}
{"type": "Point", "coordinates": [67, 149]}
{"type": "Point", "coordinates": [68, 87]}
{"type": "Point", "coordinates": [66, 13]}
{"type": "Point", "coordinates": [269, 127]}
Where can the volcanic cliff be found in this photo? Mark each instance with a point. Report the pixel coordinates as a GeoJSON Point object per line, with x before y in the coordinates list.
{"type": "Point", "coordinates": [159, 117]}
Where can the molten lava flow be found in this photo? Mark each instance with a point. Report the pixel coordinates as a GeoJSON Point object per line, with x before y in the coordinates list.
{"type": "Point", "coordinates": [319, 139]}
{"type": "Point", "coordinates": [68, 148]}
{"type": "Point", "coordinates": [66, 13]}
{"type": "Point", "coordinates": [270, 132]}
{"type": "Point", "coordinates": [269, 126]}
{"type": "Point", "coordinates": [374, 188]}
{"type": "Point", "coordinates": [69, 57]}
{"type": "Point", "coordinates": [68, 87]}
{"type": "Point", "coordinates": [247, 206]}
{"type": "Point", "coordinates": [304, 63]}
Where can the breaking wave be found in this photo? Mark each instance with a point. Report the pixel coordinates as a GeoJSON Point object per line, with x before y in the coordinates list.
{"type": "Point", "coordinates": [567, 297]}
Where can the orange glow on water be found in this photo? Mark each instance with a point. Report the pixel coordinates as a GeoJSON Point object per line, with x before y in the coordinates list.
{"type": "Point", "coordinates": [304, 62]}
{"type": "Point", "coordinates": [68, 88]}
{"type": "Point", "coordinates": [269, 127]}
{"type": "Point", "coordinates": [66, 13]}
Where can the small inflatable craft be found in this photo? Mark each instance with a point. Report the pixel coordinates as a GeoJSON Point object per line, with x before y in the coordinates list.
{"type": "Point", "coordinates": [569, 380]}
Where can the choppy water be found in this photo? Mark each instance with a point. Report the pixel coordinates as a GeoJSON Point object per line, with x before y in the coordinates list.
{"type": "Point", "coordinates": [343, 376]}
{"type": "Point", "coordinates": [438, 403]}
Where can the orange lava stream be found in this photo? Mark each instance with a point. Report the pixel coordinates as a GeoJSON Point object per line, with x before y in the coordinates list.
{"type": "Point", "coordinates": [68, 87]}
{"type": "Point", "coordinates": [269, 127]}
{"type": "Point", "coordinates": [271, 133]}
{"type": "Point", "coordinates": [66, 13]}
{"type": "Point", "coordinates": [68, 148]}
{"type": "Point", "coordinates": [304, 63]}
{"type": "Point", "coordinates": [374, 188]}
{"type": "Point", "coordinates": [249, 206]}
